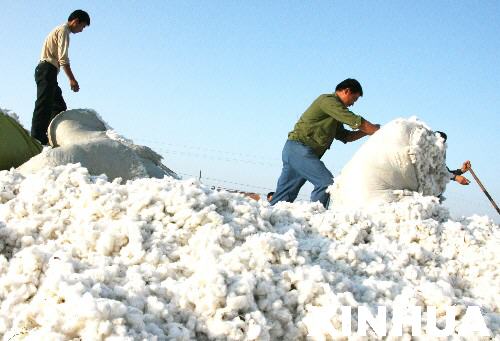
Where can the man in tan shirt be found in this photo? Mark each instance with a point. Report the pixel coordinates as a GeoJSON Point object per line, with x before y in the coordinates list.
{"type": "Point", "coordinates": [49, 100]}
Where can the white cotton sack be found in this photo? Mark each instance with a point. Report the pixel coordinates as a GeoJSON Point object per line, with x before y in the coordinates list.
{"type": "Point", "coordinates": [403, 155]}
{"type": "Point", "coordinates": [81, 136]}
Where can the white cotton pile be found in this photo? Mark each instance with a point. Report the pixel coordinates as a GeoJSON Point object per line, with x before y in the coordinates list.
{"type": "Point", "coordinates": [82, 136]}
{"type": "Point", "coordinates": [403, 155]}
{"type": "Point", "coordinates": [157, 259]}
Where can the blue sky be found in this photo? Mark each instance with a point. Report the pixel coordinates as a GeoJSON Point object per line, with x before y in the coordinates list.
{"type": "Point", "coordinates": [216, 85]}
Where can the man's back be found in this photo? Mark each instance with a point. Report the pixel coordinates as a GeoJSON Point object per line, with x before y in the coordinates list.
{"type": "Point", "coordinates": [319, 124]}
{"type": "Point", "coordinates": [55, 46]}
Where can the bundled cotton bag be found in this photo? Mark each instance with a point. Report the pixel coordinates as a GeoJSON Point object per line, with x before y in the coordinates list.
{"type": "Point", "coordinates": [81, 136]}
{"type": "Point", "coordinates": [404, 154]}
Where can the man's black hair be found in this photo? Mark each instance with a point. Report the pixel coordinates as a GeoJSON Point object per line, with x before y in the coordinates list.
{"type": "Point", "coordinates": [443, 135]}
{"type": "Point", "coordinates": [80, 15]}
{"type": "Point", "coordinates": [270, 194]}
{"type": "Point", "coordinates": [351, 84]}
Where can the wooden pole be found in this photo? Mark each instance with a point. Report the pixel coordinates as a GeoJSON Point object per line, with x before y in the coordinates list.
{"type": "Point", "coordinates": [484, 190]}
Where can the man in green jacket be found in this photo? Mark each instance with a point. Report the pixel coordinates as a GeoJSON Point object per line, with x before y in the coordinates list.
{"type": "Point", "coordinates": [312, 135]}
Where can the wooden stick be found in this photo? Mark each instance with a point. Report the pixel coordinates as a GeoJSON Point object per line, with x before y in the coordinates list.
{"type": "Point", "coordinates": [484, 190]}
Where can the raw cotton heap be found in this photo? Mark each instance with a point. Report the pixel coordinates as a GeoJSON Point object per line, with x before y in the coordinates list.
{"type": "Point", "coordinates": [403, 155]}
{"type": "Point", "coordinates": [84, 257]}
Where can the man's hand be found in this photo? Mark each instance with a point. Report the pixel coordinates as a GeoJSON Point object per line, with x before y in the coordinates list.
{"type": "Point", "coordinates": [74, 85]}
{"type": "Point", "coordinates": [466, 166]}
{"type": "Point", "coordinates": [461, 180]}
{"type": "Point", "coordinates": [72, 80]}
{"type": "Point", "coordinates": [368, 128]}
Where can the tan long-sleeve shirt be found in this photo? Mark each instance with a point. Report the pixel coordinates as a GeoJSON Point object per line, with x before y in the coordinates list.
{"type": "Point", "coordinates": [56, 46]}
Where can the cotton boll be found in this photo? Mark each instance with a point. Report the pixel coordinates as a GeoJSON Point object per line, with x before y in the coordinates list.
{"type": "Point", "coordinates": [106, 243]}
{"type": "Point", "coordinates": [417, 252]}
{"type": "Point", "coordinates": [254, 331]}
{"type": "Point", "coordinates": [218, 328]}
{"type": "Point", "coordinates": [181, 216]}
{"type": "Point", "coordinates": [435, 294]}
{"type": "Point", "coordinates": [375, 268]}
{"type": "Point", "coordinates": [155, 306]}
{"type": "Point", "coordinates": [177, 331]}
{"type": "Point", "coordinates": [10, 181]}
{"type": "Point", "coordinates": [136, 303]}
{"type": "Point", "coordinates": [134, 318]}
{"type": "Point", "coordinates": [27, 241]}
{"type": "Point", "coordinates": [110, 309]}
{"type": "Point", "coordinates": [236, 302]}
{"type": "Point", "coordinates": [412, 273]}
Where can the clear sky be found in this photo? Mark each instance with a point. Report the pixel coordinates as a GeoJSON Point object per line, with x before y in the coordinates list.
{"type": "Point", "coordinates": [217, 85]}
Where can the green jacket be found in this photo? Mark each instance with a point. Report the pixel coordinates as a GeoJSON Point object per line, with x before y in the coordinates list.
{"type": "Point", "coordinates": [323, 122]}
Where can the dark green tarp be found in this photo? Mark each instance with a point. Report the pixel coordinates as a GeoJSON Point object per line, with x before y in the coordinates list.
{"type": "Point", "coordinates": [16, 145]}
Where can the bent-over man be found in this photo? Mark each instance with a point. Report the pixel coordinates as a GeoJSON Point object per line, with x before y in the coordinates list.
{"type": "Point", "coordinates": [312, 135]}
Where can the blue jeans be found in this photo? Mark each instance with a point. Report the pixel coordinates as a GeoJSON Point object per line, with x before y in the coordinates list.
{"type": "Point", "coordinates": [301, 164]}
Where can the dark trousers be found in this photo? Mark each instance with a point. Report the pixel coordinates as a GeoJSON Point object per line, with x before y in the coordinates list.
{"type": "Point", "coordinates": [49, 100]}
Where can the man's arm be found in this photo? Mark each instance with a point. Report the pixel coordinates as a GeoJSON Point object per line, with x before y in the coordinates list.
{"type": "Point", "coordinates": [333, 107]}
{"type": "Point", "coordinates": [368, 128]}
{"type": "Point", "coordinates": [457, 174]}
{"type": "Point", "coordinates": [465, 166]}
{"type": "Point", "coordinates": [353, 135]}
{"type": "Point", "coordinates": [365, 128]}
{"type": "Point", "coordinates": [63, 53]}
{"type": "Point", "coordinates": [462, 180]}
{"type": "Point", "coordinates": [72, 81]}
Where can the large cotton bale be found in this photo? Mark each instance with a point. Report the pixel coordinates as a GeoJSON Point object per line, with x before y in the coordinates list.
{"type": "Point", "coordinates": [403, 155]}
{"type": "Point", "coordinates": [81, 136]}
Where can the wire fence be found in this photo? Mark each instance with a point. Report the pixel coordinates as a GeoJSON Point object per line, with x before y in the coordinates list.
{"type": "Point", "coordinates": [226, 156]}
